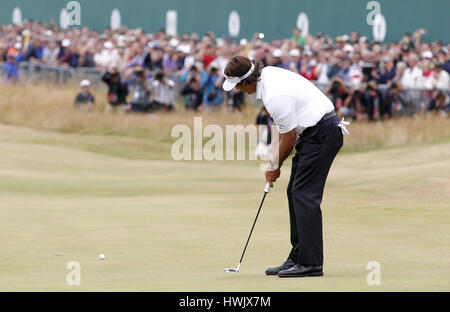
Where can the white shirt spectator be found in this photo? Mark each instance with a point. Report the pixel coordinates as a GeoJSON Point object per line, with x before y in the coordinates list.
{"type": "Point", "coordinates": [356, 76]}
{"type": "Point", "coordinates": [107, 58]}
{"type": "Point", "coordinates": [411, 77]}
{"type": "Point", "coordinates": [322, 69]}
{"type": "Point", "coordinates": [164, 93]}
{"type": "Point", "coordinates": [291, 100]}
{"type": "Point", "coordinates": [439, 80]}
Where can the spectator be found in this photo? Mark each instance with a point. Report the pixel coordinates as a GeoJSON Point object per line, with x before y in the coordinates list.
{"type": "Point", "coordinates": [440, 103]}
{"type": "Point", "coordinates": [439, 78]}
{"type": "Point", "coordinates": [140, 87]}
{"type": "Point", "coordinates": [117, 90]}
{"type": "Point", "coordinates": [236, 100]}
{"type": "Point", "coordinates": [344, 72]}
{"type": "Point", "coordinates": [13, 57]}
{"type": "Point", "coordinates": [297, 37]}
{"type": "Point", "coordinates": [308, 65]}
{"type": "Point", "coordinates": [84, 100]}
{"type": "Point", "coordinates": [62, 48]}
{"type": "Point", "coordinates": [352, 106]}
{"type": "Point", "coordinates": [213, 88]}
{"type": "Point", "coordinates": [392, 103]}
{"type": "Point", "coordinates": [164, 92]}
{"type": "Point", "coordinates": [209, 55]}
{"type": "Point", "coordinates": [193, 94]}
{"type": "Point", "coordinates": [295, 63]}
{"type": "Point", "coordinates": [337, 92]}
{"type": "Point", "coordinates": [265, 133]}
{"type": "Point", "coordinates": [277, 61]}
{"type": "Point", "coordinates": [413, 73]}
{"type": "Point", "coordinates": [401, 68]}
{"type": "Point", "coordinates": [35, 52]}
{"type": "Point", "coordinates": [371, 100]}
{"type": "Point", "coordinates": [386, 72]}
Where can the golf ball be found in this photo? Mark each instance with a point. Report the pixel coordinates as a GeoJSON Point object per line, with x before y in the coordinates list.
{"type": "Point", "coordinates": [101, 257]}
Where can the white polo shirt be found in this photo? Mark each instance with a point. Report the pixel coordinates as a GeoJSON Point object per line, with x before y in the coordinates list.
{"type": "Point", "coordinates": [291, 100]}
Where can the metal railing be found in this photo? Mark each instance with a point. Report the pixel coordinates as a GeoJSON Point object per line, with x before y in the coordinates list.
{"type": "Point", "coordinates": [412, 100]}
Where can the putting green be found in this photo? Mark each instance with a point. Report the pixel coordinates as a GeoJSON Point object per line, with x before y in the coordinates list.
{"type": "Point", "coordinates": [174, 226]}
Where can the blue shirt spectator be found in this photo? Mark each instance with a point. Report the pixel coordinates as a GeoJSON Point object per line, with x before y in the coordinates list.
{"type": "Point", "coordinates": [213, 89]}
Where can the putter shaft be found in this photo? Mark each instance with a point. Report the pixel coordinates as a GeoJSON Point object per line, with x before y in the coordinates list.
{"type": "Point", "coordinates": [253, 227]}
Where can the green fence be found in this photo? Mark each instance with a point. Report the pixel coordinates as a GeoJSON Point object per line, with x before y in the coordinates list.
{"type": "Point", "coordinates": [273, 18]}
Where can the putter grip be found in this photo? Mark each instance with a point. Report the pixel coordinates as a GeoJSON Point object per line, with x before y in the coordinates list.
{"type": "Point", "coordinates": [267, 189]}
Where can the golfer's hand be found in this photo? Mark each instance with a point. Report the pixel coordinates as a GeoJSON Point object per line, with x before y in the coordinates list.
{"type": "Point", "coordinates": [272, 176]}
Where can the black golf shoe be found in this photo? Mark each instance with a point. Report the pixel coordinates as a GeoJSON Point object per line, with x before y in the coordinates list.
{"type": "Point", "coordinates": [301, 271]}
{"type": "Point", "coordinates": [287, 265]}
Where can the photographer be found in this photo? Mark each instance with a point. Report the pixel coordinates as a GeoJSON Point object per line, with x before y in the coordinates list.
{"type": "Point", "coordinates": [371, 100]}
{"type": "Point", "coordinates": [392, 102]}
{"type": "Point", "coordinates": [164, 92]}
{"type": "Point", "coordinates": [352, 107]}
{"type": "Point", "coordinates": [213, 88]}
{"type": "Point", "coordinates": [193, 94]}
{"type": "Point", "coordinates": [440, 103]}
{"type": "Point", "coordinates": [117, 89]}
{"type": "Point", "coordinates": [141, 89]}
{"type": "Point", "coordinates": [337, 92]}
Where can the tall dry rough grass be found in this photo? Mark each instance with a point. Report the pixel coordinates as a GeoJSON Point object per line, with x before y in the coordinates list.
{"type": "Point", "coordinates": [51, 108]}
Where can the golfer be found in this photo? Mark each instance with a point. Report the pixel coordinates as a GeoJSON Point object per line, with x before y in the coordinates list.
{"type": "Point", "coordinates": [306, 119]}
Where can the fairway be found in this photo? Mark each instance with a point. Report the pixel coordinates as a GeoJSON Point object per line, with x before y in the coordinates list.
{"type": "Point", "coordinates": [174, 226]}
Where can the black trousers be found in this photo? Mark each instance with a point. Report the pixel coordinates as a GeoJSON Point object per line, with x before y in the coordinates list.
{"type": "Point", "coordinates": [316, 149]}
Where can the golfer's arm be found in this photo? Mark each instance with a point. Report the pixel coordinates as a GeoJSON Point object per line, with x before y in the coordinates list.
{"type": "Point", "coordinates": [287, 143]}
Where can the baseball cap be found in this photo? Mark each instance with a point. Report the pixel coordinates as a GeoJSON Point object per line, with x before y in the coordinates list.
{"type": "Point", "coordinates": [231, 82]}
{"type": "Point", "coordinates": [294, 52]}
{"type": "Point", "coordinates": [108, 45]}
{"type": "Point", "coordinates": [348, 48]}
{"type": "Point", "coordinates": [65, 43]}
{"type": "Point", "coordinates": [277, 53]}
{"type": "Point", "coordinates": [174, 42]}
{"type": "Point", "coordinates": [85, 83]}
{"type": "Point", "coordinates": [427, 54]}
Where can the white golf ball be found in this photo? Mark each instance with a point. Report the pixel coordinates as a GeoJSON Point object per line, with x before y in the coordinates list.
{"type": "Point", "coordinates": [101, 257]}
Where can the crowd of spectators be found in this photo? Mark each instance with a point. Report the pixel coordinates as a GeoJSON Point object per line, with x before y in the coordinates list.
{"type": "Point", "coordinates": [363, 78]}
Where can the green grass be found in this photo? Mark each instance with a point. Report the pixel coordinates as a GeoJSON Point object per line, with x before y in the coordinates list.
{"type": "Point", "coordinates": [174, 226]}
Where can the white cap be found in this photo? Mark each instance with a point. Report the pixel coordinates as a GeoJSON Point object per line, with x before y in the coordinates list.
{"type": "Point", "coordinates": [348, 48]}
{"type": "Point", "coordinates": [345, 38]}
{"type": "Point", "coordinates": [427, 54]}
{"type": "Point", "coordinates": [243, 42]}
{"type": "Point", "coordinates": [277, 53]}
{"type": "Point", "coordinates": [85, 83]}
{"type": "Point", "coordinates": [174, 42]}
{"type": "Point", "coordinates": [307, 51]}
{"type": "Point", "coordinates": [185, 48]}
{"type": "Point", "coordinates": [48, 33]}
{"type": "Point", "coordinates": [18, 45]}
{"type": "Point", "coordinates": [108, 45]}
{"type": "Point", "coordinates": [121, 41]}
{"type": "Point", "coordinates": [294, 52]}
{"type": "Point", "coordinates": [214, 64]}
{"type": "Point", "coordinates": [66, 43]}
{"type": "Point", "coordinates": [189, 62]}
{"type": "Point", "coordinates": [231, 82]}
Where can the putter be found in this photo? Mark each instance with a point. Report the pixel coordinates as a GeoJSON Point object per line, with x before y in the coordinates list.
{"type": "Point", "coordinates": [236, 270]}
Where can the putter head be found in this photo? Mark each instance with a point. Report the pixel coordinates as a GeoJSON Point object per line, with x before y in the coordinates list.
{"type": "Point", "coordinates": [233, 271]}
